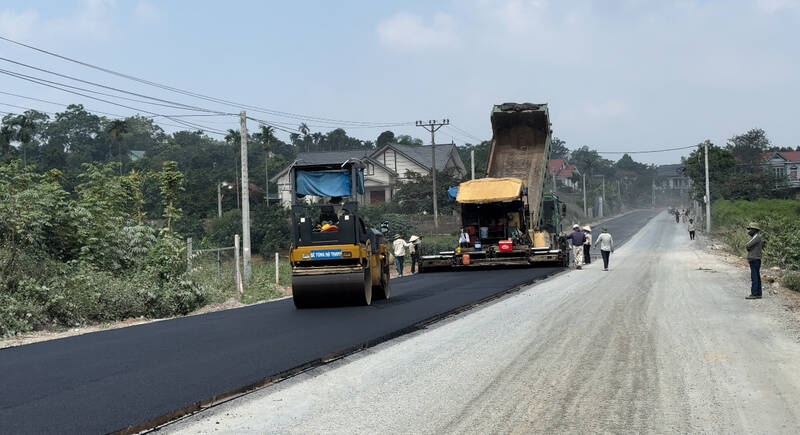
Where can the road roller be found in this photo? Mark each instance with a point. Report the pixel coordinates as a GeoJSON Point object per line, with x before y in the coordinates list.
{"type": "Point", "coordinates": [336, 259]}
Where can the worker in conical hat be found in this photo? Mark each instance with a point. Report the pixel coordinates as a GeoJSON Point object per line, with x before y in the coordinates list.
{"type": "Point", "coordinates": [587, 245]}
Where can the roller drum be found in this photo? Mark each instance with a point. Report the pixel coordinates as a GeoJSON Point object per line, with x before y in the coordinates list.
{"type": "Point", "coordinates": [334, 289]}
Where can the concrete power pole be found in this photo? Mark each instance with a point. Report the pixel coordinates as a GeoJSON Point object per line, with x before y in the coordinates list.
{"type": "Point", "coordinates": [708, 196]}
{"type": "Point", "coordinates": [245, 201]}
{"type": "Point", "coordinates": [584, 194]}
{"type": "Point", "coordinates": [432, 126]}
{"type": "Point", "coordinates": [472, 161]}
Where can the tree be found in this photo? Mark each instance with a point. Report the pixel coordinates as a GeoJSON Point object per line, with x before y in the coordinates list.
{"type": "Point", "coordinates": [405, 139]}
{"type": "Point", "coordinates": [558, 149]}
{"type": "Point", "coordinates": [415, 194]}
{"type": "Point", "coordinates": [384, 138]}
{"type": "Point", "coordinates": [171, 185]}
{"type": "Point", "coordinates": [116, 128]}
{"type": "Point", "coordinates": [589, 162]}
{"type": "Point", "coordinates": [748, 148]}
{"type": "Point", "coordinates": [721, 166]}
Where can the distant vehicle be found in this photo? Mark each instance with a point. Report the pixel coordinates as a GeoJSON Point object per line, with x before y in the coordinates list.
{"type": "Point", "coordinates": [335, 258]}
{"type": "Point", "coordinates": [507, 218]}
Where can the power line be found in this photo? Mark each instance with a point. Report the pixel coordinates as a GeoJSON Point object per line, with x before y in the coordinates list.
{"type": "Point", "coordinates": [647, 152]}
{"type": "Point", "coordinates": [173, 104]}
{"type": "Point", "coordinates": [466, 133]}
{"type": "Point", "coordinates": [114, 115]}
{"type": "Point", "coordinates": [180, 121]}
{"type": "Point", "coordinates": [206, 97]}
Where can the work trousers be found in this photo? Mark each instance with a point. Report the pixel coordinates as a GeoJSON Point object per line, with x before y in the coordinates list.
{"type": "Point", "coordinates": [587, 258]}
{"type": "Point", "coordinates": [606, 255]}
{"type": "Point", "coordinates": [398, 264]}
{"type": "Point", "coordinates": [577, 254]}
{"type": "Point", "coordinates": [755, 277]}
{"type": "Point", "coordinates": [414, 260]}
{"type": "Point", "coordinates": [691, 235]}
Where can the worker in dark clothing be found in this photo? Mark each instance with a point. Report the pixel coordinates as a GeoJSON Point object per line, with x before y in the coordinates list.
{"type": "Point", "coordinates": [578, 238]}
{"type": "Point", "coordinates": [587, 245]}
{"type": "Point", "coordinates": [754, 247]}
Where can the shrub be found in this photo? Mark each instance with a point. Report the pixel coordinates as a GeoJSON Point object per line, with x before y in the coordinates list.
{"type": "Point", "coordinates": [224, 228]}
{"type": "Point", "coordinates": [270, 230]}
{"type": "Point", "coordinates": [791, 280]}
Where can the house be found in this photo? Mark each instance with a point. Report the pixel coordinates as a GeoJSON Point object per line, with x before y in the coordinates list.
{"type": "Point", "coordinates": [784, 164]}
{"type": "Point", "coordinates": [384, 167]}
{"type": "Point", "coordinates": [672, 177]}
{"type": "Point", "coordinates": [563, 171]}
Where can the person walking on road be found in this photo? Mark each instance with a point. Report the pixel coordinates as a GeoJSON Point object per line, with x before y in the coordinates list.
{"type": "Point", "coordinates": [414, 248]}
{"type": "Point", "coordinates": [578, 237]}
{"type": "Point", "coordinates": [399, 251]}
{"type": "Point", "coordinates": [587, 245]}
{"type": "Point", "coordinates": [691, 229]}
{"type": "Point", "coordinates": [754, 247]}
{"type": "Point", "coordinates": [606, 244]}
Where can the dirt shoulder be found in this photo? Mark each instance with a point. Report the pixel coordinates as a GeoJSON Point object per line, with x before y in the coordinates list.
{"type": "Point", "coordinates": [778, 301]}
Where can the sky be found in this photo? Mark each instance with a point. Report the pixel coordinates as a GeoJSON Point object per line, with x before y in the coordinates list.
{"type": "Point", "coordinates": [628, 75]}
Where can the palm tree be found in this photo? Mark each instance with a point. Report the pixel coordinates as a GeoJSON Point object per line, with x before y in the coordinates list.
{"type": "Point", "coordinates": [266, 136]}
{"type": "Point", "coordinates": [116, 128]}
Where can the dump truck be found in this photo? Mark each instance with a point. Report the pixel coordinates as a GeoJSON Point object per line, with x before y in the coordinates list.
{"type": "Point", "coordinates": [507, 218]}
{"type": "Point", "coordinates": [336, 259]}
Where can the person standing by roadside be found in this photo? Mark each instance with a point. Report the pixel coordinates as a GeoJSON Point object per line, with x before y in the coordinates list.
{"type": "Point", "coordinates": [691, 229]}
{"type": "Point", "coordinates": [414, 248]}
{"type": "Point", "coordinates": [587, 245]}
{"type": "Point", "coordinates": [399, 250]}
{"type": "Point", "coordinates": [606, 244]}
{"type": "Point", "coordinates": [754, 247]}
{"type": "Point", "coordinates": [577, 238]}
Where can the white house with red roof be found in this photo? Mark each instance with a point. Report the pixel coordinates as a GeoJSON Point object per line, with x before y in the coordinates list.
{"type": "Point", "coordinates": [784, 164]}
{"type": "Point", "coordinates": [563, 171]}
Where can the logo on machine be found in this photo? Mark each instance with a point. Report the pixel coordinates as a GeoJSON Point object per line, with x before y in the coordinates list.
{"type": "Point", "coordinates": [323, 254]}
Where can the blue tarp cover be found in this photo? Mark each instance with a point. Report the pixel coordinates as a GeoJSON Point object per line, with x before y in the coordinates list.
{"type": "Point", "coordinates": [452, 193]}
{"type": "Point", "coordinates": [329, 183]}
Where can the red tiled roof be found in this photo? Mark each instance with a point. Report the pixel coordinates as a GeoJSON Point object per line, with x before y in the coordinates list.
{"type": "Point", "coordinates": [567, 172]}
{"type": "Point", "coordinates": [792, 156]}
{"type": "Point", "coordinates": [555, 165]}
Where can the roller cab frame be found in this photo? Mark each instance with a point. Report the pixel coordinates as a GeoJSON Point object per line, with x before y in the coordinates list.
{"type": "Point", "coordinates": [347, 263]}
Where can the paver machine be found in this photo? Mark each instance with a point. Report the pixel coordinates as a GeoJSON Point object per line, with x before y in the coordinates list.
{"type": "Point", "coordinates": [336, 259]}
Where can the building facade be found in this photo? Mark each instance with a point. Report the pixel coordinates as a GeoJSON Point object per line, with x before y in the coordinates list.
{"type": "Point", "coordinates": [384, 167]}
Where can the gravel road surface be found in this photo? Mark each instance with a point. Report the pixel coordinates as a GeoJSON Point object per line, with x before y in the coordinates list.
{"type": "Point", "coordinates": [663, 343]}
{"type": "Point", "coordinates": [111, 380]}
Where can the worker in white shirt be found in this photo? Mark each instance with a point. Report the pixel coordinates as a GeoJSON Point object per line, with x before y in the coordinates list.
{"type": "Point", "coordinates": [399, 250]}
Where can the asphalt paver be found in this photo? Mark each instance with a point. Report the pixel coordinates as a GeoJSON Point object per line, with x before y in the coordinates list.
{"type": "Point", "coordinates": [111, 380]}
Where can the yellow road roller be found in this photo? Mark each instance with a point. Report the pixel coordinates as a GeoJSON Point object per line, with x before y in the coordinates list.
{"type": "Point", "coordinates": [336, 260]}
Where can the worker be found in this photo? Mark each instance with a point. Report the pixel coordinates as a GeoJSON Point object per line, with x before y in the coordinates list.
{"type": "Point", "coordinates": [463, 239]}
{"type": "Point", "coordinates": [754, 247]}
{"type": "Point", "coordinates": [606, 244]}
{"type": "Point", "coordinates": [399, 250]}
{"type": "Point", "coordinates": [691, 229]}
{"type": "Point", "coordinates": [415, 249]}
{"type": "Point", "coordinates": [677, 216]}
{"type": "Point", "coordinates": [587, 244]}
{"type": "Point", "coordinates": [578, 237]}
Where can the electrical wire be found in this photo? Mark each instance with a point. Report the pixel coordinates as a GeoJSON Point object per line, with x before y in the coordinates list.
{"type": "Point", "coordinates": [647, 152]}
{"type": "Point", "coordinates": [169, 103]}
{"type": "Point", "coordinates": [465, 133]}
{"type": "Point", "coordinates": [180, 121]}
{"type": "Point", "coordinates": [206, 97]}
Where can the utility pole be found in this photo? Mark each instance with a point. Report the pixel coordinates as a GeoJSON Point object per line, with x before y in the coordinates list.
{"type": "Point", "coordinates": [584, 194]}
{"type": "Point", "coordinates": [472, 161]}
{"type": "Point", "coordinates": [266, 178]}
{"type": "Point", "coordinates": [654, 193]}
{"type": "Point", "coordinates": [245, 201]}
{"type": "Point", "coordinates": [432, 126]}
{"type": "Point", "coordinates": [219, 200]}
{"type": "Point", "coordinates": [619, 193]}
{"type": "Point", "coordinates": [708, 195]}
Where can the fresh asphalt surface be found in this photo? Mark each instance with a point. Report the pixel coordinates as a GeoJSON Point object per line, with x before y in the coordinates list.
{"type": "Point", "coordinates": [110, 380]}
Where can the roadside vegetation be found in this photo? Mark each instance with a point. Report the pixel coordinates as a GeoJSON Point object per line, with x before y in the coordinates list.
{"type": "Point", "coordinates": [95, 213]}
{"type": "Point", "coordinates": [780, 227]}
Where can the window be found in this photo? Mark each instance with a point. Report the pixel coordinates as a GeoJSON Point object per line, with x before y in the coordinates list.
{"type": "Point", "coordinates": [370, 169]}
{"type": "Point", "coordinates": [793, 173]}
{"type": "Point", "coordinates": [779, 171]}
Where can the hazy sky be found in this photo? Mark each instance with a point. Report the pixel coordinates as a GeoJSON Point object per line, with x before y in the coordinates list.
{"type": "Point", "coordinates": [618, 76]}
